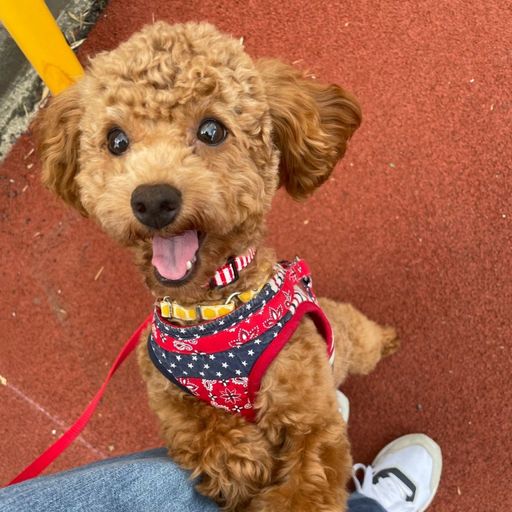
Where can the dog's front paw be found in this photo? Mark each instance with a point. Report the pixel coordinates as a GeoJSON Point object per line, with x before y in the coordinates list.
{"type": "Point", "coordinates": [279, 499]}
{"type": "Point", "coordinates": [232, 473]}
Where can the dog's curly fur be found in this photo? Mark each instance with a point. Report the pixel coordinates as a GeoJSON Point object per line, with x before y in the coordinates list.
{"type": "Point", "coordinates": [284, 129]}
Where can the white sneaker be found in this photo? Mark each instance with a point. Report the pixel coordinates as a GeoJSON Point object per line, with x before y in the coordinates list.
{"type": "Point", "coordinates": [343, 405]}
{"type": "Point", "coordinates": [404, 476]}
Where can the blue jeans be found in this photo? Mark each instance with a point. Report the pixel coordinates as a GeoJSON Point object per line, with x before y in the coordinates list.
{"type": "Point", "coordinates": [136, 483]}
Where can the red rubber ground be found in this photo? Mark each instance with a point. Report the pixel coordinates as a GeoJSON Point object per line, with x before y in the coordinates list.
{"type": "Point", "coordinates": [414, 228]}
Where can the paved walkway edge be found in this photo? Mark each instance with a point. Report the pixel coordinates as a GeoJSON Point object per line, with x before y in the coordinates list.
{"type": "Point", "coordinates": [21, 100]}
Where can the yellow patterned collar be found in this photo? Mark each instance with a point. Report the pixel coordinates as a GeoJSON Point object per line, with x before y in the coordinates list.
{"type": "Point", "coordinates": [170, 309]}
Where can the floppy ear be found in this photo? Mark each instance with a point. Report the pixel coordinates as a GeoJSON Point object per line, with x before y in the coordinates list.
{"type": "Point", "coordinates": [312, 124]}
{"type": "Point", "coordinates": [57, 137]}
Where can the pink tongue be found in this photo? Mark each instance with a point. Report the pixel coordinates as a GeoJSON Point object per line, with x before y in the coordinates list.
{"type": "Point", "coordinates": [170, 255]}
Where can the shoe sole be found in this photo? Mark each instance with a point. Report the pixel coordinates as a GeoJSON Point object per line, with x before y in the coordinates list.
{"type": "Point", "coordinates": [432, 448]}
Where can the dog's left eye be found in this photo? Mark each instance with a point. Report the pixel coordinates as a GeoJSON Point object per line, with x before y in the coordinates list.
{"type": "Point", "coordinates": [118, 141]}
{"type": "Point", "coordinates": [212, 132]}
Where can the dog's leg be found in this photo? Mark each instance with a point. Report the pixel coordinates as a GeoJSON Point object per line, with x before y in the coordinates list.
{"type": "Point", "coordinates": [299, 414]}
{"type": "Point", "coordinates": [231, 457]}
{"type": "Point", "coordinates": [360, 342]}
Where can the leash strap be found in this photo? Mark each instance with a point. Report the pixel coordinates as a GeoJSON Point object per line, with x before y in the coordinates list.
{"type": "Point", "coordinates": [52, 452]}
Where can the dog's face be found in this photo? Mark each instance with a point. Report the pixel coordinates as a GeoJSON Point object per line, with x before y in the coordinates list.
{"type": "Point", "coordinates": [176, 143]}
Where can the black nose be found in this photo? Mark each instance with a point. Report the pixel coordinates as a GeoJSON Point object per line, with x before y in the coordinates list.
{"type": "Point", "coordinates": [156, 206]}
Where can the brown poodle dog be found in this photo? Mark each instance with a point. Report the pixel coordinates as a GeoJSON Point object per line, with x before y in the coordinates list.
{"type": "Point", "coordinates": [175, 142]}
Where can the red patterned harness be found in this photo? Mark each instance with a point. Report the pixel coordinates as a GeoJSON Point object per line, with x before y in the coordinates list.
{"type": "Point", "coordinates": [222, 362]}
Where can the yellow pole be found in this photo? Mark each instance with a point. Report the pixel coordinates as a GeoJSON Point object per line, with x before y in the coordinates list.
{"type": "Point", "coordinates": [32, 26]}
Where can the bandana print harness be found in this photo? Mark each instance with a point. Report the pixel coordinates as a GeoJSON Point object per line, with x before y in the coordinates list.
{"type": "Point", "coordinates": [222, 362]}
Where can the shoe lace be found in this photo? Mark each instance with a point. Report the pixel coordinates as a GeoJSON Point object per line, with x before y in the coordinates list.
{"type": "Point", "coordinates": [390, 491]}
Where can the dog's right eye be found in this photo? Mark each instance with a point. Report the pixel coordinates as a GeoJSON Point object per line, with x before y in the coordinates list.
{"type": "Point", "coordinates": [117, 141]}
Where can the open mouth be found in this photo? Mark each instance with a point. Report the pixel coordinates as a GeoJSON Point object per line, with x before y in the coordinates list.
{"type": "Point", "coordinates": [176, 257]}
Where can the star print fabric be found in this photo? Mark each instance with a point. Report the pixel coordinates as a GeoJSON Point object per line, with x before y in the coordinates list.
{"type": "Point", "coordinates": [222, 361]}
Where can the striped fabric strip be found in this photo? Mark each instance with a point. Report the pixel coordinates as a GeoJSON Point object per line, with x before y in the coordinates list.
{"type": "Point", "coordinates": [226, 274]}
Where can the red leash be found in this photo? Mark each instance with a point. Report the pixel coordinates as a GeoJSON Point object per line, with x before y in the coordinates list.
{"type": "Point", "coordinates": [51, 453]}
